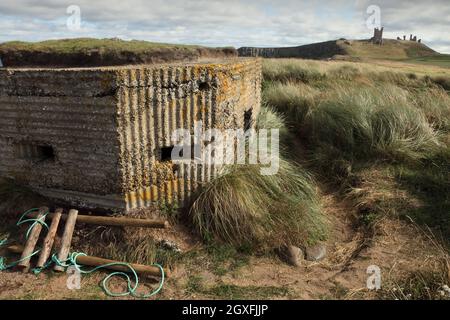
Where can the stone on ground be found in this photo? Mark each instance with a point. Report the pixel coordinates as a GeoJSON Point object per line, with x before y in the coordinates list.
{"type": "Point", "coordinates": [316, 252]}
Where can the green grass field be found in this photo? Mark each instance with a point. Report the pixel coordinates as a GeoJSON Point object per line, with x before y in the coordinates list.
{"type": "Point", "coordinates": [90, 52]}
{"type": "Point", "coordinates": [391, 49]}
{"type": "Point", "coordinates": [86, 44]}
{"type": "Point", "coordinates": [380, 136]}
{"type": "Point", "coordinates": [442, 60]}
{"type": "Point", "coordinates": [395, 50]}
{"type": "Point", "coordinates": [383, 136]}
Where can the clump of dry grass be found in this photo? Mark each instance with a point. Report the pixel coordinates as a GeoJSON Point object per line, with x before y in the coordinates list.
{"type": "Point", "coordinates": [291, 99]}
{"type": "Point", "coordinates": [367, 121]}
{"type": "Point", "coordinates": [16, 199]}
{"type": "Point", "coordinates": [291, 70]}
{"type": "Point", "coordinates": [441, 81]}
{"type": "Point", "coordinates": [243, 207]}
{"type": "Point", "coordinates": [128, 244]}
{"type": "Point", "coordinates": [132, 245]}
{"type": "Point", "coordinates": [376, 193]}
{"type": "Point", "coordinates": [269, 118]}
{"type": "Point", "coordinates": [361, 117]}
{"type": "Point", "coordinates": [430, 282]}
{"type": "Point", "coordinates": [434, 102]}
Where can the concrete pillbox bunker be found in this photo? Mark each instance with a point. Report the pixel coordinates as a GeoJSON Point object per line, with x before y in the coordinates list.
{"type": "Point", "coordinates": [101, 137]}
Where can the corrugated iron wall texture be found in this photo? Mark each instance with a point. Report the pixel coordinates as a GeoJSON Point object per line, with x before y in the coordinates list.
{"type": "Point", "coordinates": [154, 103]}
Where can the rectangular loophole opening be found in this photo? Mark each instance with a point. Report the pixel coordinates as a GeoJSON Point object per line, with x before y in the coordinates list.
{"type": "Point", "coordinates": [203, 85]}
{"type": "Point", "coordinates": [35, 152]}
{"type": "Point", "coordinates": [248, 123]}
{"type": "Point", "coordinates": [166, 153]}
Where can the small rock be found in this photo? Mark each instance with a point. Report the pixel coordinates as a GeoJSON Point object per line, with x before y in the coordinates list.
{"type": "Point", "coordinates": [292, 255]}
{"type": "Point", "coordinates": [446, 289]}
{"type": "Point", "coordinates": [169, 245]}
{"type": "Point", "coordinates": [316, 252]}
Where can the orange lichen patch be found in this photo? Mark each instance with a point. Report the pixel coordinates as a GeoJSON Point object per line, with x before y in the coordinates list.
{"type": "Point", "coordinates": [166, 192]}
{"type": "Point", "coordinates": [163, 170]}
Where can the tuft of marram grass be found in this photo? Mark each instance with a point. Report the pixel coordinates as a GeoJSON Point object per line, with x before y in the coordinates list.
{"type": "Point", "coordinates": [372, 121]}
{"type": "Point", "coordinates": [291, 99]}
{"type": "Point", "coordinates": [244, 208]}
{"type": "Point", "coordinates": [344, 72]}
{"type": "Point", "coordinates": [366, 117]}
{"type": "Point", "coordinates": [269, 118]}
{"type": "Point", "coordinates": [290, 70]}
{"type": "Point", "coordinates": [382, 115]}
{"type": "Point", "coordinates": [442, 81]}
{"type": "Point", "coordinates": [435, 103]}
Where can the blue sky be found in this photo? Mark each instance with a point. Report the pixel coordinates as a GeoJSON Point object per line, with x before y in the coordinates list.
{"type": "Point", "coordinates": [225, 23]}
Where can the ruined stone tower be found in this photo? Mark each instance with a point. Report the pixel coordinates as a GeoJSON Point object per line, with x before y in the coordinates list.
{"type": "Point", "coordinates": [378, 36]}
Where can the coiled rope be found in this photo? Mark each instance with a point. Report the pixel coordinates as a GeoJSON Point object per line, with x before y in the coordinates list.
{"type": "Point", "coordinates": [72, 261]}
{"type": "Point", "coordinates": [22, 220]}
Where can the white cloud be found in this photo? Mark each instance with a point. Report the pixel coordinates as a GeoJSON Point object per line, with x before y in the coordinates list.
{"type": "Point", "coordinates": [222, 23]}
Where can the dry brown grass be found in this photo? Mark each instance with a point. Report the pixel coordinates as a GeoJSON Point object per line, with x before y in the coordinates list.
{"type": "Point", "coordinates": [429, 281]}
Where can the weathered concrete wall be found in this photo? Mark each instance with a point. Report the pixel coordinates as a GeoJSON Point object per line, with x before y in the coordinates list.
{"type": "Point", "coordinates": [319, 50]}
{"type": "Point", "coordinates": [107, 126]}
{"type": "Point", "coordinates": [70, 111]}
{"type": "Point", "coordinates": [155, 102]}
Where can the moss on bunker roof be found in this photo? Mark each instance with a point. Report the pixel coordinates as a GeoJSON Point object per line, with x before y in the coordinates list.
{"type": "Point", "coordinates": [90, 52]}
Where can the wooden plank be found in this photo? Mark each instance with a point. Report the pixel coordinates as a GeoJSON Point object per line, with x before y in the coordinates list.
{"type": "Point", "coordinates": [67, 238]}
{"type": "Point", "coordinates": [119, 222]}
{"type": "Point", "coordinates": [49, 239]}
{"type": "Point", "coordinates": [31, 241]}
{"type": "Point", "coordinates": [96, 261]}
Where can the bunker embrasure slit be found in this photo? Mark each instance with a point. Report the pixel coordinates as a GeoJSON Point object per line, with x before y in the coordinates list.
{"type": "Point", "coordinates": [248, 119]}
{"type": "Point", "coordinates": [204, 85]}
{"type": "Point", "coordinates": [34, 152]}
{"type": "Point", "coordinates": [166, 153]}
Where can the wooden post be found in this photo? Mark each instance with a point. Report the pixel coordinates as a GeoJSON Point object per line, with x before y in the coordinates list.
{"type": "Point", "coordinates": [67, 238]}
{"type": "Point", "coordinates": [118, 222]}
{"type": "Point", "coordinates": [96, 261]}
{"type": "Point", "coordinates": [49, 239]}
{"type": "Point", "coordinates": [31, 241]}
{"type": "Point", "coordinates": [139, 268]}
{"type": "Point", "coordinates": [123, 222]}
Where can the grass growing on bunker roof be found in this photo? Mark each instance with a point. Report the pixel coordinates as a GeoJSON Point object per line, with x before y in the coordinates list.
{"type": "Point", "coordinates": [86, 44]}
{"type": "Point", "coordinates": [91, 52]}
{"type": "Point", "coordinates": [379, 136]}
